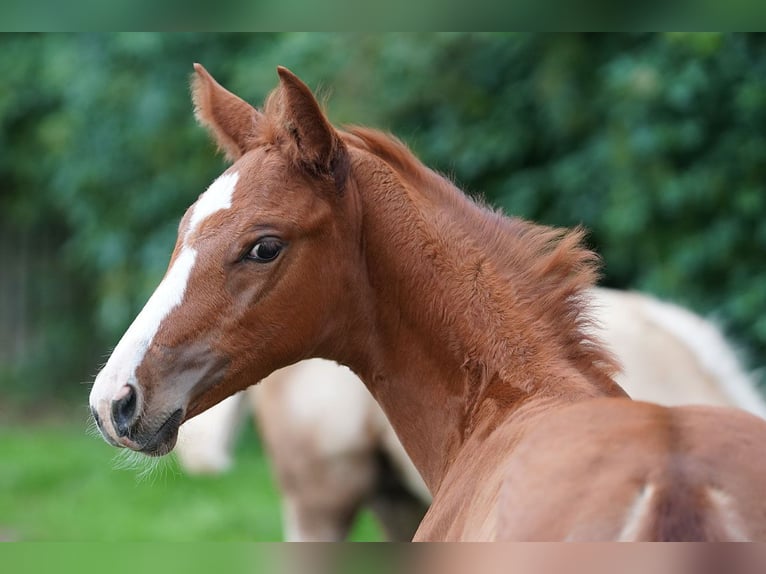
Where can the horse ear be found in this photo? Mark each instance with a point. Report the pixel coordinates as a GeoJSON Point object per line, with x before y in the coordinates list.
{"type": "Point", "coordinates": [230, 120]}
{"type": "Point", "coordinates": [319, 146]}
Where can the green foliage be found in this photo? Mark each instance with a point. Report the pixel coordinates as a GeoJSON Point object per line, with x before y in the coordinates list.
{"type": "Point", "coordinates": [654, 142]}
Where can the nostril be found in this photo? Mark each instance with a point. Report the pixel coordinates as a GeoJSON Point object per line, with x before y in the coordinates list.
{"type": "Point", "coordinates": [124, 410]}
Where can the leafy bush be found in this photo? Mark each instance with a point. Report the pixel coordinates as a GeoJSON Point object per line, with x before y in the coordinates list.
{"type": "Point", "coordinates": [654, 142]}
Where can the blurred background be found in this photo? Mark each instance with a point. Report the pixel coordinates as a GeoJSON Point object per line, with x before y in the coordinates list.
{"type": "Point", "coordinates": [656, 143]}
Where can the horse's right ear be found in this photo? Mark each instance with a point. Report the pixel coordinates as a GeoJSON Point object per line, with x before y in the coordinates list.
{"type": "Point", "coordinates": [230, 120]}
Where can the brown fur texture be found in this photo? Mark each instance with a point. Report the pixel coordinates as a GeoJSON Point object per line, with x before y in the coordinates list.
{"type": "Point", "coordinates": [326, 464]}
{"type": "Point", "coordinates": [468, 328]}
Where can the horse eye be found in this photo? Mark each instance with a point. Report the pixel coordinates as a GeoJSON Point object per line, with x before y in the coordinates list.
{"type": "Point", "coordinates": [265, 250]}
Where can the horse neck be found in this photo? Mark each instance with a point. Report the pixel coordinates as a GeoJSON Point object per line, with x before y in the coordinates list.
{"type": "Point", "coordinates": [465, 318]}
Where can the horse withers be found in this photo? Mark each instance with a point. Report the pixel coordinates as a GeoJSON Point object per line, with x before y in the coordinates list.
{"type": "Point", "coordinates": [469, 328]}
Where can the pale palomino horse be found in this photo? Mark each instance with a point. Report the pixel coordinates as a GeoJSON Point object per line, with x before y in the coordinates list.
{"type": "Point", "coordinates": [470, 329]}
{"type": "Point", "coordinates": [328, 467]}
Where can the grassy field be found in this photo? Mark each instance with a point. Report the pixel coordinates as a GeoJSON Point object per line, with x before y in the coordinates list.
{"type": "Point", "coordinates": [59, 484]}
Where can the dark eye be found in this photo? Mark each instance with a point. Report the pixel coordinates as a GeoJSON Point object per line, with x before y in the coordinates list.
{"type": "Point", "coordinates": [265, 250]}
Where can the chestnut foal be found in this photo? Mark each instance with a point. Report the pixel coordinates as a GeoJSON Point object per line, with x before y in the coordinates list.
{"type": "Point", "coordinates": [469, 328]}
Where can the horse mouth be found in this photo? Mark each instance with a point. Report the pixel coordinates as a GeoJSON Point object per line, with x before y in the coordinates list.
{"type": "Point", "coordinates": [162, 441]}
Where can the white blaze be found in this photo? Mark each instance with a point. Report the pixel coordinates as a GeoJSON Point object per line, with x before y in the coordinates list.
{"type": "Point", "coordinates": [131, 349]}
{"type": "Point", "coordinates": [217, 197]}
{"type": "Point", "coordinates": [121, 367]}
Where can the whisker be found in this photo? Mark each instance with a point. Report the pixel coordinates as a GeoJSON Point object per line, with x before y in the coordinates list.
{"type": "Point", "coordinates": [126, 459]}
{"type": "Point", "coordinates": [149, 473]}
{"type": "Point", "coordinates": [148, 469]}
{"type": "Point", "coordinates": [91, 428]}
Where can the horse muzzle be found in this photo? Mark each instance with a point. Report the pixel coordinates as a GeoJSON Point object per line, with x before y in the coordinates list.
{"type": "Point", "coordinates": [123, 424]}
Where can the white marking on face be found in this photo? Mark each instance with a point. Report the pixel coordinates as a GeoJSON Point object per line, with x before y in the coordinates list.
{"type": "Point", "coordinates": [639, 510]}
{"type": "Point", "coordinates": [121, 367]}
{"type": "Point", "coordinates": [217, 197]}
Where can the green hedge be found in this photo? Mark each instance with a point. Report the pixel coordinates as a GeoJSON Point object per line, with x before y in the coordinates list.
{"type": "Point", "coordinates": [654, 142]}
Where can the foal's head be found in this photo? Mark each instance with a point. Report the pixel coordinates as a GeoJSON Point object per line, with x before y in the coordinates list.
{"type": "Point", "coordinates": [263, 261]}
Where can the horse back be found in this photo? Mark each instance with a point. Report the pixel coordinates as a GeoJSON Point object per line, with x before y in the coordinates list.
{"type": "Point", "coordinates": [611, 469]}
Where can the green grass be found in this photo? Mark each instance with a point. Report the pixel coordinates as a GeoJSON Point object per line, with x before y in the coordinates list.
{"type": "Point", "coordinates": [59, 484]}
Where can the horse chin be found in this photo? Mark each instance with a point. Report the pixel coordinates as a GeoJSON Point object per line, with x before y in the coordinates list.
{"type": "Point", "coordinates": [164, 440]}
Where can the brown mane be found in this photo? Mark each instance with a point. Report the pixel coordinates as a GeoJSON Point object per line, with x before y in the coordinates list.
{"type": "Point", "coordinates": [545, 269]}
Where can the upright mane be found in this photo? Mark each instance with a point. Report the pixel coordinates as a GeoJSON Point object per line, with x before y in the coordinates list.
{"type": "Point", "coordinates": [546, 270]}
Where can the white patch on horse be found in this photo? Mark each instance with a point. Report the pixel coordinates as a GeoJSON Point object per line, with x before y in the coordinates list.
{"type": "Point", "coordinates": [639, 510]}
{"type": "Point", "coordinates": [319, 387]}
{"type": "Point", "coordinates": [292, 527]}
{"type": "Point", "coordinates": [121, 367]}
{"type": "Point", "coordinates": [711, 350]}
{"type": "Point", "coordinates": [217, 197]}
{"type": "Point", "coordinates": [205, 443]}
{"type": "Point", "coordinates": [731, 521]}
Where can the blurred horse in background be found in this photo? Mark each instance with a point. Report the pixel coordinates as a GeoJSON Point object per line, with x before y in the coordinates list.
{"type": "Point", "coordinates": [333, 451]}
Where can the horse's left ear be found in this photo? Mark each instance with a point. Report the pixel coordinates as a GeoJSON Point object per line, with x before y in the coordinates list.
{"type": "Point", "coordinates": [319, 147]}
{"type": "Point", "coordinates": [231, 121]}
